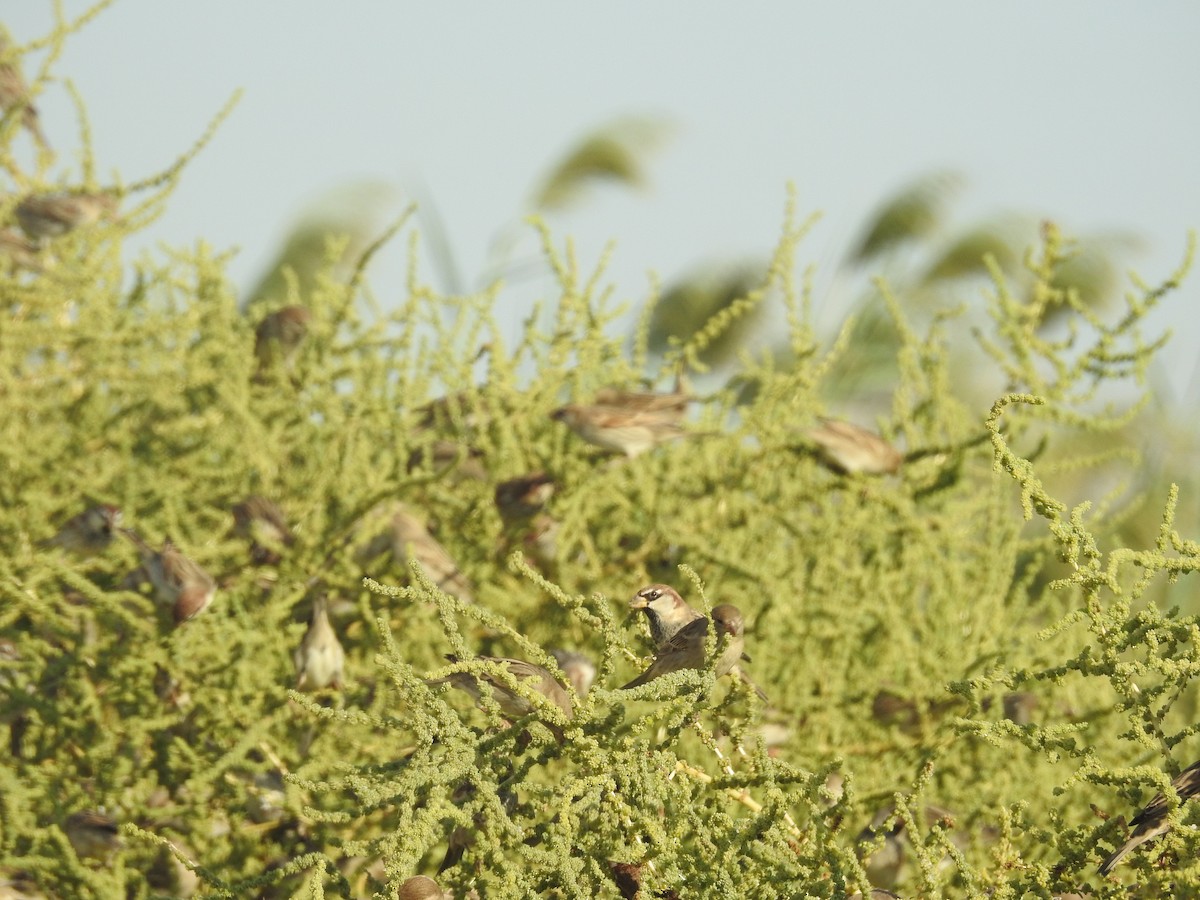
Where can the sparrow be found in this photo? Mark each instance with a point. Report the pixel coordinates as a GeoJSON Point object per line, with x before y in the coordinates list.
{"type": "Point", "coordinates": [92, 834]}
{"type": "Point", "coordinates": [540, 541]}
{"type": "Point", "coordinates": [419, 887]}
{"type": "Point", "coordinates": [686, 649]}
{"type": "Point", "coordinates": [580, 670]}
{"type": "Point", "coordinates": [666, 611]}
{"type": "Point", "coordinates": [14, 93]}
{"type": "Point", "coordinates": [51, 215]}
{"type": "Point", "coordinates": [512, 704]}
{"type": "Point", "coordinates": [1151, 822]}
{"type": "Point", "coordinates": [278, 337]}
{"type": "Point", "coordinates": [848, 449]}
{"type": "Point", "coordinates": [521, 498]}
{"type": "Point", "coordinates": [88, 532]}
{"type": "Point", "coordinates": [261, 522]}
{"type": "Point", "coordinates": [626, 422]}
{"type": "Point", "coordinates": [883, 863]}
{"type": "Point", "coordinates": [22, 253]}
{"type": "Point", "coordinates": [319, 659]}
{"type": "Point", "coordinates": [412, 540]}
{"type": "Point", "coordinates": [178, 581]}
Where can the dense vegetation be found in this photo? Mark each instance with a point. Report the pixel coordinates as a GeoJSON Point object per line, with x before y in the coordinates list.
{"type": "Point", "coordinates": [971, 680]}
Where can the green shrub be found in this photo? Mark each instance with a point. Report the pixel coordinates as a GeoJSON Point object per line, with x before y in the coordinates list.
{"type": "Point", "coordinates": [888, 619]}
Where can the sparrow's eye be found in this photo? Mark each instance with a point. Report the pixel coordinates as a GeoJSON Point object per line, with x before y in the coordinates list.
{"type": "Point", "coordinates": [652, 595]}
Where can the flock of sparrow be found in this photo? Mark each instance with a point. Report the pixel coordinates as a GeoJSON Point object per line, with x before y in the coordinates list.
{"type": "Point", "coordinates": [619, 421]}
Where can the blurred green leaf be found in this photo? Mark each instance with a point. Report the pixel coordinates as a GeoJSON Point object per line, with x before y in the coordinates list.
{"type": "Point", "coordinates": [912, 214]}
{"type": "Point", "coordinates": [693, 300]}
{"type": "Point", "coordinates": [1003, 239]}
{"type": "Point", "coordinates": [617, 152]}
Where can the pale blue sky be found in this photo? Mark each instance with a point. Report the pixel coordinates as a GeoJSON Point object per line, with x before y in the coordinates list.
{"type": "Point", "coordinates": [1083, 111]}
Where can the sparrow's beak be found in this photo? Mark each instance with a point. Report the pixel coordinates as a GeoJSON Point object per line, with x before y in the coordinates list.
{"type": "Point", "coordinates": [638, 602]}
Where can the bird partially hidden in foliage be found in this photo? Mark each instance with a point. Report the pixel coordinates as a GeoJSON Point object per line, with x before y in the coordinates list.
{"type": "Point", "coordinates": [578, 668]}
{"type": "Point", "coordinates": [93, 834]}
{"type": "Point", "coordinates": [667, 613]}
{"type": "Point", "coordinates": [462, 839]}
{"type": "Point", "coordinates": [89, 532]}
{"type": "Point", "coordinates": [627, 422]}
{"type": "Point", "coordinates": [44, 216]}
{"type": "Point", "coordinates": [14, 94]}
{"type": "Point", "coordinates": [411, 540]}
{"type": "Point", "coordinates": [848, 449]}
{"type": "Point", "coordinates": [320, 659]}
{"type": "Point", "coordinates": [686, 649]}
{"type": "Point", "coordinates": [20, 252]}
{"type": "Point", "coordinates": [521, 498]}
{"type": "Point", "coordinates": [178, 581]}
{"type": "Point", "coordinates": [535, 681]}
{"type": "Point", "coordinates": [261, 522]}
{"type": "Point", "coordinates": [1152, 822]}
{"type": "Point", "coordinates": [420, 887]}
{"type": "Point", "coordinates": [883, 852]}
{"type": "Point", "coordinates": [278, 338]}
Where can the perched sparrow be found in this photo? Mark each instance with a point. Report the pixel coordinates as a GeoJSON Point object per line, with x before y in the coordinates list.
{"type": "Point", "coordinates": [1152, 822]}
{"type": "Point", "coordinates": [89, 532]}
{"type": "Point", "coordinates": [178, 581]}
{"type": "Point", "coordinates": [540, 542]}
{"type": "Point", "coordinates": [261, 522]}
{"type": "Point", "coordinates": [51, 215]}
{"type": "Point", "coordinates": [1019, 707]}
{"type": "Point", "coordinates": [92, 834]}
{"type": "Point", "coordinates": [580, 670]}
{"type": "Point", "coordinates": [686, 649]}
{"type": "Point", "coordinates": [631, 425]}
{"type": "Point", "coordinates": [848, 449]}
{"type": "Point", "coordinates": [320, 658]}
{"type": "Point", "coordinates": [22, 253]}
{"type": "Point", "coordinates": [644, 401]}
{"type": "Point", "coordinates": [512, 704]}
{"type": "Point", "coordinates": [520, 498]}
{"type": "Point", "coordinates": [15, 93]}
{"type": "Point", "coordinates": [411, 540]}
{"type": "Point", "coordinates": [666, 612]}
{"type": "Point", "coordinates": [420, 888]}
{"type": "Point", "coordinates": [278, 337]}
{"type": "Point", "coordinates": [883, 863]}
{"type": "Point", "coordinates": [456, 412]}
{"type": "Point", "coordinates": [450, 457]}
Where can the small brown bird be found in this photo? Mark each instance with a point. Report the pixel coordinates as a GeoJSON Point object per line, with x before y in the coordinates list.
{"type": "Point", "coordinates": [520, 498]}
{"type": "Point", "coordinates": [848, 449]}
{"type": "Point", "coordinates": [1152, 821]}
{"type": "Point", "coordinates": [462, 461]}
{"type": "Point", "coordinates": [686, 649]}
{"type": "Point", "coordinates": [320, 659]}
{"type": "Point", "coordinates": [52, 215]}
{"type": "Point", "coordinates": [666, 611]}
{"type": "Point", "coordinates": [412, 540]}
{"type": "Point", "coordinates": [514, 705]}
{"type": "Point", "coordinates": [89, 532]}
{"type": "Point", "coordinates": [420, 887]}
{"type": "Point", "coordinates": [93, 834]}
{"type": "Point", "coordinates": [580, 670]}
{"type": "Point", "coordinates": [626, 422]}
{"type": "Point", "coordinates": [278, 337]}
{"type": "Point", "coordinates": [14, 93]}
{"type": "Point", "coordinates": [178, 581]}
{"type": "Point", "coordinates": [261, 522]}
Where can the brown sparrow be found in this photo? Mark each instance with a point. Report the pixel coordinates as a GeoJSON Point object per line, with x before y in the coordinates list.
{"type": "Point", "coordinates": [178, 581]}
{"type": "Point", "coordinates": [261, 522]}
{"type": "Point", "coordinates": [1152, 821]}
{"type": "Point", "coordinates": [626, 422]}
{"type": "Point", "coordinates": [319, 659]}
{"type": "Point", "coordinates": [278, 337]}
{"type": "Point", "coordinates": [51, 215]}
{"type": "Point", "coordinates": [15, 93]}
{"type": "Point", "coordinates": [686, 649]}
{"type": "Point", "coordinates": [848, 449]}
{"type": "Point", "coordinates": [88, 532]}
{"type": "Point", "coordinates": [411, 540]}
{"type": "Point", "coordinates": [420, 887]}
{"type": "Point", "coordinates": [92, 834]}
{"type": "Point", "coordinates": [514, 705]}
{"type": "Point", "coordinates": [580, 670]}
{"type": "Point", "coordinates": [666, 612]}
{"type": "Point", "coordinates": [521, 498]}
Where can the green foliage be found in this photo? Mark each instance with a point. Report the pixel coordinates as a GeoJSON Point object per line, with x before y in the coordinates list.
{"type": "Point", "coordinates": [889, 619]}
